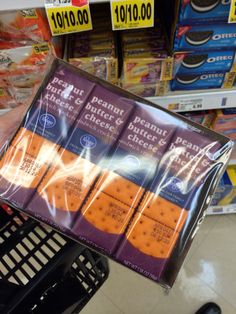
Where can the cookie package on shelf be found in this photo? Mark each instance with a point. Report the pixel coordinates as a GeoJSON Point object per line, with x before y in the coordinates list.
{"type": "Point", "coordinates": [96, 51]}
{"type": "Point", "coordinates": [113, 171]}
{"type": "Point", "coordinates": [145, 63]}
{"type": "Point", "coordinates": [200, 11]}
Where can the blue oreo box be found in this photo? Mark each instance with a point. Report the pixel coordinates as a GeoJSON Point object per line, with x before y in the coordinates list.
{"type": "Point", "coordinates": [204, 62]}
{"type": "Point", "coordinates": [198, 11]}
{"type": "Point", "coordinates": [205, 37]}
{"type": "Point", "coordinates": [197, 81]}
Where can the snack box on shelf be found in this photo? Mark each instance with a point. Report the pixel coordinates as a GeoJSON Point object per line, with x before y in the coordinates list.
{"type": "Point", "coordinates": [204, 37]}
{"type": "Point", "coordinates": [145, 56]}
{"type": "Point", "coordinates": [201, 11]}
{"type": "Point", "coordinates": [146, 89]}
{"type": "Point", "coordinates": [204, 62]}
{"type": "Point", "coordinates": [202, 81]}
{"type": "Point", "coordinates": [94, 52]}
{"type": "Point", "coordinates": [225, 123]}
{"type": "Point", "coordinates": [225, 193]}
{"type": "Point", "coordinates": [113, 171]}
{"type": "Point", "coordinates": [204, 118]}
{"type": "Point", "coordinates": [146, 66]}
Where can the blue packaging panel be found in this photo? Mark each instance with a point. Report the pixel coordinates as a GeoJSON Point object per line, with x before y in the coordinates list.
{"type": "Point", "coordinates": [208, 36]}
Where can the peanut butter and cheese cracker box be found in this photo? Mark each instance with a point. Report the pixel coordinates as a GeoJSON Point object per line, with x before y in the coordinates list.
{"type": "Point", "coordinates": [44, 128]}
{"type": "Point", "coordinates": [113, 171]}
{"type": "Point", "coordinates": [172, 201]}
{"type": "Point", "coordinates": [121, 186]}
{"type": "Point", "coordinates": [67, 183]}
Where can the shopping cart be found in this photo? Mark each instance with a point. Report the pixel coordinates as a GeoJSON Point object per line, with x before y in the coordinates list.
{"type": "Point", "coordinates": [43, 272]}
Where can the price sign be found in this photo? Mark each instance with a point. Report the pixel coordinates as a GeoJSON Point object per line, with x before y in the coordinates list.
{"type": "Point", "coordinates": [64, 17]}
{"type": "Point", "coordinates": [232, 12]}
{"type": "Point", "coordinates": [132, 14]}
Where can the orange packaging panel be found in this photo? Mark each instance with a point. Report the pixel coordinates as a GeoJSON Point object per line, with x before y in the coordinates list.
{"type": "Point", "coordinates": [151, 237]}
{"type": "Point", "coordinates": [167, 213]}
{"type": "Point", "coordinates": [26, 159]}
{"type": "Point", "coordinates": [106, 213]}
{"type": "Point", "coordinates": [120, 188]}
{"type": "Point", "coordinates": [67, 183]}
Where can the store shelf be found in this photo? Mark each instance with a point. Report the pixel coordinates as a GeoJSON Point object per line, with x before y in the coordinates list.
{"type": "Point", "coordinates": [221, 210]}
{"type": "Point", "coordinates": [232, 162]}
{"type": "Point", "coordinates": [29, 4]}
{"type": "Point", "coordinates": [197, 100]}
{"type": "Point", "coordinates": [2, 111]}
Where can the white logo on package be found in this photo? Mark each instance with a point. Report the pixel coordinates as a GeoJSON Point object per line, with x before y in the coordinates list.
{"type": "Point", "coordinates": [88, 141]}
{"type": "Point", "coordinates": [215, 75]}
{"type": "Point", "coordinates": [225, 2]}
{"type": "Point", "coordinates": [175, 184]}
{"type": "Point", "coordinates": [131, 162]}
{"type": "Point", "coordinates": [5, 60]}
{"type": "Point", "coordinates": [224, 36]}
{"type": "Point", "coordinates": [47, 120]}
{"type": "Point", "coordinates": [219, 58]}
{"type": "Point", "coordinates": [28, 13]}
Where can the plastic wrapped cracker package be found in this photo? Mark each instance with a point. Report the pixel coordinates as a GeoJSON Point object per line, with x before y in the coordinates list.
{"type": "Point", "coordinates": [113, 171]}
{"type": "Point", "coordinates": [120, 188]}
{"type": "Point", "coordinates": [171, 200]}
{"type": "Point", "coordinates": [44, 128]}
{"type": "Point", "coordinates": [82, 157]}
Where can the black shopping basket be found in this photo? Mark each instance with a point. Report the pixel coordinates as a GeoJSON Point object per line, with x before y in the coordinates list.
{"type": "Point", "coordinates": [43, 272]}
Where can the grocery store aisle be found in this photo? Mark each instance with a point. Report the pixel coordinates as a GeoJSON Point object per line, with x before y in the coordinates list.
{"type": "Point", "coordinates": [209, 274]}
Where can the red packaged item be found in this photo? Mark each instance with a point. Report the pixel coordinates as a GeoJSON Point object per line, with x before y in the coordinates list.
{"type": "Point", "coordinates": [21, 71]}
{"type": "Point", "coordinates": [17, 28]}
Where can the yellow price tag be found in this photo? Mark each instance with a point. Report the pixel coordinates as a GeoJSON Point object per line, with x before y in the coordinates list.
{"type": "Point", "coordinates": [232, 12]}
{"type": "Point", "coordinates": [41, 48]}
{"type": "Point", "coordinates": [69, 19]}
{"type": "Point", "coordinates": [132, 14]}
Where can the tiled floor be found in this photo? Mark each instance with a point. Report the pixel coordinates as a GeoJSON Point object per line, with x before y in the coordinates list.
{"type": "Point", "coordinates": [209, 274]}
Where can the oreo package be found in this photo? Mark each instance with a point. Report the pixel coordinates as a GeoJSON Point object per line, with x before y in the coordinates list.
{"type": "Point", "coordinates": [208, 36]}
{"type": "Point", "coordinates": [204, 62]}
{"type": "Point", "coordinates": [198, 81]}
{"type": "Point", "coordinates": [195, 11]}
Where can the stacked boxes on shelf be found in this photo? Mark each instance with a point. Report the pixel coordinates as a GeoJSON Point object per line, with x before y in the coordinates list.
{"type": "Point", "coordinates": [224, 122]}
{"type": "Point", "coordinates": [95, 51]}
{"type": "Point", "coordinates": [225, 193]}
{"type": "Point", "coordinates": [205, 117]}
{"type": "Point", "coordinates": [146, 65]}
{"type": "Point", "coordinates": [204, 45]}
